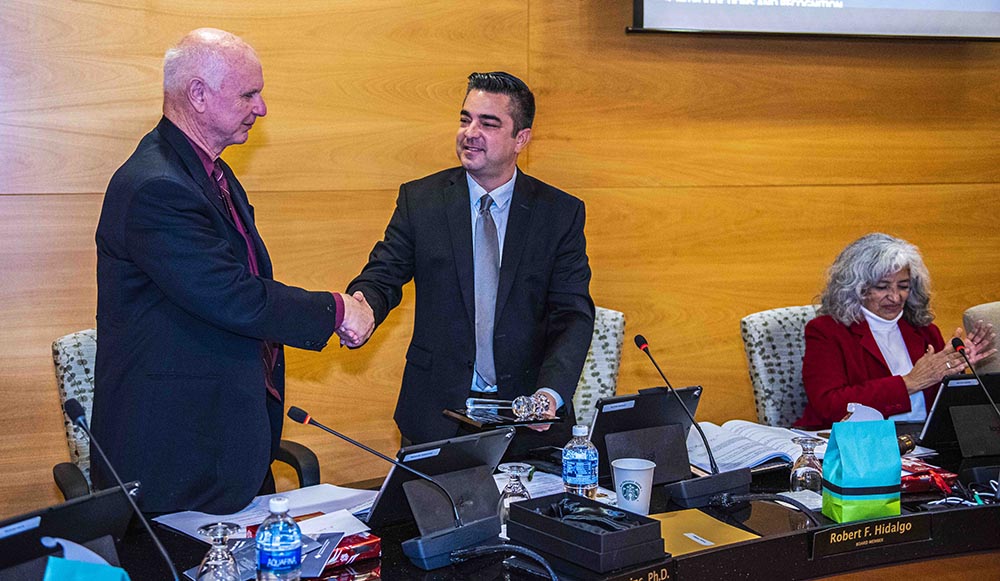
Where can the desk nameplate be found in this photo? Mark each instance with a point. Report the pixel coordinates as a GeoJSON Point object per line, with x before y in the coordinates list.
{"type": "Point", "coordinates": [862, 535]}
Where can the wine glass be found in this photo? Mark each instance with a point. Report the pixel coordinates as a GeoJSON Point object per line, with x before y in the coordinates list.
{"type": "Point", "coordinates": [514, 490]}
{"type": "Point", "coordinates": [807, 473]}
{"type": "Point", "coordinates": [219, 564]}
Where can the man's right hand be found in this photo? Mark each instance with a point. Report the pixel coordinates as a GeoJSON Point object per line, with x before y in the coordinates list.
{"type": "Point", "coordinates": [359, 321]}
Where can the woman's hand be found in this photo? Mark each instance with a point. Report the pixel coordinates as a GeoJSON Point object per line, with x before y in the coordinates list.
{"type": "Point", "coordinates": [931, 368]}
{"type": "Point", "coordinates": [979, 342]}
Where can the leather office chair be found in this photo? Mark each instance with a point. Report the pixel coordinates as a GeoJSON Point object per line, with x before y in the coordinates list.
{"type": "Point", "coordinates": [775, 343]}
{"type": "Point", "coordinates": [989, 312]}
{"type": "Point", "coordinates": [73, 356]}
{"type": "Point", "coordinates": [600, 370]}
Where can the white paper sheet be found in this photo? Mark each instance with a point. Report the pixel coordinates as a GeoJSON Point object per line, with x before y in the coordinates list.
{"type": "Point", "coordinates": [339, 521]}
{"type": "Point", "coordinates": [324, 498]}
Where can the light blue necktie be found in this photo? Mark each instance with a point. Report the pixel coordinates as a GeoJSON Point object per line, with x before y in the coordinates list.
{"type": "Point", "coordinates": [487, 274]}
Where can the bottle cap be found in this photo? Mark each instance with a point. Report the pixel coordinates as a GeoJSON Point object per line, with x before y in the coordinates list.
{"type": "Point", "coordinates": [580, 430]}
{"type": "Point", "coordinates": [278, 504]}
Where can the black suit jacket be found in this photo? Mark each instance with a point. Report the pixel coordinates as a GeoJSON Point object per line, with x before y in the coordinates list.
{"type": "Point", "coordinates": [180, 401]}
{"type": "Point", "coordinates": [544, 314]}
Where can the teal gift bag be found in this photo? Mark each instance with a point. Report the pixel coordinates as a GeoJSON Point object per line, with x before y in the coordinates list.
{"type": "Point", "coordinates": [861, 471]}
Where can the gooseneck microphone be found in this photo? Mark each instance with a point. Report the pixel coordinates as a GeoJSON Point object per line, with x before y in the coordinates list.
{"type": "Point", "coordinates": [699, 492]}
{"type": "Point", "coordinates": [643, 346]}
{"type": "Point", "coordinates": [960, 347]}
{"type": "Point", "coordinates": [76, 414]}
{"type": "Point", "coordinates": [432, 550]}
{"type": "Point", "coordinates": [299, 415]}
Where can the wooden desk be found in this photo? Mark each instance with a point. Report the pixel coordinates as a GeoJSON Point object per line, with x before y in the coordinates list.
{"type": "Point", "coordinates": [964, 544]}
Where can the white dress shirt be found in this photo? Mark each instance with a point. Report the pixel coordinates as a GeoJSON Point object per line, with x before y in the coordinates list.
{"type": "Point", "coordinates": [890, 342]}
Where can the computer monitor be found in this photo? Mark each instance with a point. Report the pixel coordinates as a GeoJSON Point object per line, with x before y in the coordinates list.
{"type": "Point", "coordinates": [650, 408]}
{"type": "Point", "coordinates": [433, 459]}
{"type": "Point", "coordinates": [956, 390]}
{"type": "Point", "coordinates": [81, 520]}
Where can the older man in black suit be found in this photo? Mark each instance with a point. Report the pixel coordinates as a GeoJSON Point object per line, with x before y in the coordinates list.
{"type": "Point", "coordinates": [500, 266]}
{"type": "Point", "coordinates": [191, 325]}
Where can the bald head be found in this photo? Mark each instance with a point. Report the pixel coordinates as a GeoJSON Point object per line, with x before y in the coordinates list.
{"type": "Point", "coordinates": [205, 53]}
{"type": "Point", "coordinates": [212, 82]}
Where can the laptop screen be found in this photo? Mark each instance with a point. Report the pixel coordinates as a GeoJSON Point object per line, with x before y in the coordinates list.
{"type": "Point", "coordinates": [649, 408]}
{"type": "Point", "coordinates": [956, 390]}
{"type": "Point", "coordinates": [433, 459]}
{"type": "Point", "coordinates": [106, 512]}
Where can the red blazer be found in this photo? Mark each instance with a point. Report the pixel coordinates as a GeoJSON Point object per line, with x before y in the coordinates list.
{"type": "Point", "coordinates": [844, 364]}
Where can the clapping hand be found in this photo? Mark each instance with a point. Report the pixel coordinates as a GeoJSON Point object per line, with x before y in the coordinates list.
{"type": "Point", "coordinates": [932, 367]}
{"type": "Point", "coordinates": [979, 341]}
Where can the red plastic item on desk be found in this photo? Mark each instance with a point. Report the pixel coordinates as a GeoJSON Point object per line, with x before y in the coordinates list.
{"type": "Point", "coordinates": [919, 476]}
{"type": "Point", "coordinates": [363, 571]}
{"type": "Point", "coordinates": [354, 548]}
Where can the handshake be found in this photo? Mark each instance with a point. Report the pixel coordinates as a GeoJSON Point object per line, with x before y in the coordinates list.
{"type": "Point", "coordinates": [358, 322]}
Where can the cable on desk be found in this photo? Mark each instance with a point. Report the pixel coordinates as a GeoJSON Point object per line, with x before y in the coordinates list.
{"type": "Point", "coordinates": [953, 500]}
{"type": "Point", "coordinates": [727, 500]}
{"type": "Point", "coordinates": [463, 554]}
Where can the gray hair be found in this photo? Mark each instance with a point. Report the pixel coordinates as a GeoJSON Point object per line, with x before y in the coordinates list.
{"type": "Point", "coordinates": [862, 265]}
{"type": "Point", "coordinates": [204, 53]}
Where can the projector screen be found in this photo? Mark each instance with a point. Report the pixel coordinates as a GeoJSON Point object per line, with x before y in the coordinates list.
{"type": "Point", "coordinates": [933, 18]}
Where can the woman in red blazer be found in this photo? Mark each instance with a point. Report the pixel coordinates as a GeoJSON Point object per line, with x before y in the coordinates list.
{"type": "Point", "coordinates": [874, 342]}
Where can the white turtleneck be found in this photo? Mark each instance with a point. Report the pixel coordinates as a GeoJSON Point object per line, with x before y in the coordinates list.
{"type": "Point", "coordinates": [890, 342]}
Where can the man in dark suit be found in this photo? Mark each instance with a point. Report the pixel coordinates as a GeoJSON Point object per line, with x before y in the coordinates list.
{"type": "Point", "coordinates": [191, 325]}
{"type": "Point", "coordinates": [498, 259]}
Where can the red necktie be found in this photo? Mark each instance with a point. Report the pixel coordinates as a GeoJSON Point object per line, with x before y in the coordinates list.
{"type": "Point", "coordinates": [269, 351]}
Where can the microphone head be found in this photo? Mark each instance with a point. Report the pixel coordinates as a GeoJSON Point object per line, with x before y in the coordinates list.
{"type": "Point", "coordinates": [74, 411]}
{"type": "Point", "coordinates": [298, 415]}
{"type": "Point", "coordinates": [958, 344]}
{"type": "Point", "coordinates": [641, 343]}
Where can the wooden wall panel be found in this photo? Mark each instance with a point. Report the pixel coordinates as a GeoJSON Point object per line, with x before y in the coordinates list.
{"type": "Point", "coordinates": [663, 110]}
{"type": "Point", "coordinates": [362, 90]}
{"type": "Point", "coordinates": [721, 176]}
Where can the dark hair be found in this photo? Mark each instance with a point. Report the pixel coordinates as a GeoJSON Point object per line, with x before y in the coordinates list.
{"type": "Point", "coordinates": [522, 101]}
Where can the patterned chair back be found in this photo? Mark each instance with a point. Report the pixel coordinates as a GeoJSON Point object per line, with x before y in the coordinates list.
{"type": "Point", "coordinates": [775, 343]}
{"type": "Point", "coordinates": [989, 312]}
{"type": "Point", "coordinates": [600, 370]}
{"type": "Point", "coordinates": [73, 356]}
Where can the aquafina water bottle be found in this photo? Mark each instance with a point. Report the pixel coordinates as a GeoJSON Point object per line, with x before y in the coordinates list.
{"type": "Point", "coordinates": [279, 544]}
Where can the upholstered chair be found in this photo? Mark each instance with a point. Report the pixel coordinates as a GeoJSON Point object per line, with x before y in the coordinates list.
{"type": "Point", "coordinates": [775, 342]}
{"type": "Point", "coordinates": [600, 371]}
{"type": "Point", "coordinates": [73, 356]}
{"type": "Point", "coordinates": [989, 312]}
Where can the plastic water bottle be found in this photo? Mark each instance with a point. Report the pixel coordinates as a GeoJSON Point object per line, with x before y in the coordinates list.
{"type": "Point", "coordinates": [579, 464]}
{"type": "Point", "coordinates": [279, 544]}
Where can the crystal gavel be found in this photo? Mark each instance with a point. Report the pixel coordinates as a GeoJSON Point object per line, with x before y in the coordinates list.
{"type": "Point", "coordinates": [524, 407]}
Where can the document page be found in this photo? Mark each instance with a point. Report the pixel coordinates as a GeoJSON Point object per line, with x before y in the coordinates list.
{"type": "Point", "coordinates": [771, 436]}
{"type": "Point", "coordinates": [319, 499]}
{"type": "Point", "coordinates": [732, 451]}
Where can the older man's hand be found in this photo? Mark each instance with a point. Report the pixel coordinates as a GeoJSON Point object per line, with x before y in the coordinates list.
{"type": "Point", "coordinates": [359, 321]}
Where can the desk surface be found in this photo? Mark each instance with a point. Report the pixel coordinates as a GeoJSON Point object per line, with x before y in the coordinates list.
{"type": "Point", "coordinates": [784, 551]}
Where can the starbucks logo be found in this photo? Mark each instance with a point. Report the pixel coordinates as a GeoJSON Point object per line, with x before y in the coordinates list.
{"type": "Point", "coordinates": [630, 490]}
